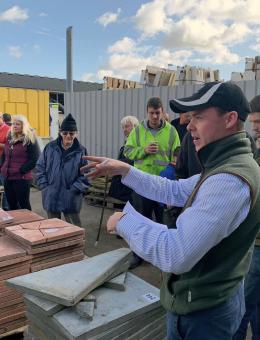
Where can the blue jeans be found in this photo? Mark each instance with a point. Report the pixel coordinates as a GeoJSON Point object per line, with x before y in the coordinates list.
{"type": "Point", "coordinates": [217, 323]}
{"type": "Point", "coordinates": [252, 300]}
{"type": "Point", "coordinates": [5, 204]}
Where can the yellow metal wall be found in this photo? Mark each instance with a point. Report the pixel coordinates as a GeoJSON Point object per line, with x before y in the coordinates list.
{"type": "Point", "coordinates": [34, 104]}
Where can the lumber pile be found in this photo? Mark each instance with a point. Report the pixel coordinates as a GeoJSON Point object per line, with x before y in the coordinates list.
{"type": "Point", "coordinates": [112, 83]}
{"type": "Point", "coordinates": [252, 70]}
{"type": "Point", "coordinates": [14, 217]}
{"type": "Point", "coordinates": [13, 262]}
{"type": "Point", "coordinates": [100, 189]}
{"type": "Point", "coordinates": [50, 242]}
{"type": "Point", "coordinates": [105, 303]}
{"type": "Point", "coordinates": [183, 75]}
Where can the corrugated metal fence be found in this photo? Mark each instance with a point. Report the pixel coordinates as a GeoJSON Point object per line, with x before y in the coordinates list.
{"type": "Point", "coordinates": [99, 113]}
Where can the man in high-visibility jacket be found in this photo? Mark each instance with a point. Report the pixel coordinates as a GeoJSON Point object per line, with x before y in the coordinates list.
{"type": "Point", "coordinates": [152, 145]}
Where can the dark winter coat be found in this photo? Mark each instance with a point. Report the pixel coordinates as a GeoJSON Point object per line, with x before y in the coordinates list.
{"type": "Point", "coordinates": [59, 177]}
{"type": "Point", "coordinates": [18, 159]}
{"type": "Point", "coordinates": [118, 189]}
{"type": "Point", "coordinates": [188, 163]}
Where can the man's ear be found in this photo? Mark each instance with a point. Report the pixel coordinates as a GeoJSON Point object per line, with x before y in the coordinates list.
{"type": "Point", "coordinates": [231, 119]}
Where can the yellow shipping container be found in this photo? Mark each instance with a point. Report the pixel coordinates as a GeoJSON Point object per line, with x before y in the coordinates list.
{"type": "Point", "coordinates": [34, 104]}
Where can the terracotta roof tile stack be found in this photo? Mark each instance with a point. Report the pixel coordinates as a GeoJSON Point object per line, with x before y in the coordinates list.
{"type": "Point", "coordinates": [14, 217]}
{"type": "Point", "coordinates": [13, 262]}
{"type": "Point", "coordinates": [50, 242]}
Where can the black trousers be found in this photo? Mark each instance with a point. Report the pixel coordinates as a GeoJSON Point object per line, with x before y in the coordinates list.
{"type": "Point", "coordinates": [18, 193]}
{"type": "Point", "coordinates": [147, 207]}
{"type": "Point", "coordinates": [72, 218]}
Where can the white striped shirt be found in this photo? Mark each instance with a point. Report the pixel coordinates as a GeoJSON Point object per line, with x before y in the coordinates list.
{"type": "Point", "coordinates": [221, 205]}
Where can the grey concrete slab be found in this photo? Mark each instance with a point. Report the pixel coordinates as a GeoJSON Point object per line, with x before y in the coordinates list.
{"type": "Point", "coordinates": [139, 332]}
{"type": "Point", "coordinates": [132, 325]}
{"type": "Point", "coordinates": [113, 308]}
{"type": "Point", "coordinates": [85, 309]}
{"type": "Point", "coordinates": [161, 336]}
{"type": "Point", "coordinates": [44, 325]}
{"type": "Point", "coordinates": [35, 333]}
{"type": "Point", "coordinates": [69, 283]}
{"type": "Point", "coordinates": [90, 298]}
{"type": "Point", "coordinates": [153, 333]}
{"type": "Point", "coordinates": [47, 307]}
{"type": "Point", "coordinates": [120, 270]}
{"type": "Point", "coordinates": [117, 282]}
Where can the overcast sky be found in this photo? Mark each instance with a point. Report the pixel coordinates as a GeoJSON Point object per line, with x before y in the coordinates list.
{"type": "Point", "coordinates": [119, 38]}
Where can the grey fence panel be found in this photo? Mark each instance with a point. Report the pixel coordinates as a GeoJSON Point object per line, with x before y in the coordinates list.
{"type": "Point", "coordinates": [99, 137]}
{"type": "Point", "coordinates": [99, 113]}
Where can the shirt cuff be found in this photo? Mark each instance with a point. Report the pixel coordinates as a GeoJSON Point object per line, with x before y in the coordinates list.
{"type": "Point", "coordinates": [132, 176]}
{"type": "Point", "coordinates": [126, 226]}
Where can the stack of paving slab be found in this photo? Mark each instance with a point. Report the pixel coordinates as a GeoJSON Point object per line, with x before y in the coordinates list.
{"type": "Point", "coordinates": [13, 262]}
{"type": "Point", "coordinates": [50, 242]}
{"type": "Point", "coordinates": [14, 217]}
{"type": "Point", "coordinates": [5, 219]}
{"type": "Point", "coordinates": [91, 299]}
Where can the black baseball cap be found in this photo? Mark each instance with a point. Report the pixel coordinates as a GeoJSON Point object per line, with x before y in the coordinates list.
{"type": "Point", "coordinates": [227, 96]}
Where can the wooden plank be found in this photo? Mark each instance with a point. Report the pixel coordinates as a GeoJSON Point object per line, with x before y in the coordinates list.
{"type": "Point", "coordinates": [17, 330]}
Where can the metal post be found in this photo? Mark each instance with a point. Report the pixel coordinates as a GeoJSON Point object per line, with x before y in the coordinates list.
{"type": "Point", "coordinates": [69, 80]}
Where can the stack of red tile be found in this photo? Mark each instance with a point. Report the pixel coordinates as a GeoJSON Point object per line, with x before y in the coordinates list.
{"type": "Point", "coordinates": [50, 242]}
{"type": "Point", "coordinates": [14, 217]}
{"type": "Point", "coordinates": [5, 220]}
{"type": "Point", "coordinates": [13, 262]}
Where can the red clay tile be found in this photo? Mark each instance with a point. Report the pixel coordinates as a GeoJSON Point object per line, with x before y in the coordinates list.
{"type": "Point", "coordinates": [43, 231]}
{"type": "Point", "coordinates": [10, 249]}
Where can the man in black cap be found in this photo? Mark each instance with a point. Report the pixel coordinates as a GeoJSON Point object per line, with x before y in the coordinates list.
{"type": "Point", "coordinates": [206, 257]}
{"type": "Point", "coordinates": [252, 280]}
{"type": "Point", "coordinates": [58, 175]}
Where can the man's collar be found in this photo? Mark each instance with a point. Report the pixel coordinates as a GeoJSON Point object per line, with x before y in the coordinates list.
{"type": "Point", "coordinates": [162, 124]}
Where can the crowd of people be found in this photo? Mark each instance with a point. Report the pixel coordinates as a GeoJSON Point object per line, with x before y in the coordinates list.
{"type": "Point", "coordinates": [210, 256]}
{"type": "Point", "coordinates": [192, 188]}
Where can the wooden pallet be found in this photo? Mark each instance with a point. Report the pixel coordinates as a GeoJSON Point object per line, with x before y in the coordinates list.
{"type": "Point", "coordinates": [110, 202]}
{"type": "Point", "coordinates": [14, 334]}
{"type": "Point", "coordinates": [95, 194]}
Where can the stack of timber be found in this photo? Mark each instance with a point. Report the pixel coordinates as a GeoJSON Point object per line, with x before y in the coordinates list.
{"type": "Point", "coordinates": [111, 83]}
{"type": "Point", "coordinates": [50, 242]}
{"type": "Point", "coordinates": [97, 193]}
{"type": "Point", "coordinates": [14, 217]}
{"type": "Point", "coordinates": [252, 70]}
{"type": "Point", "coordinates": [184, 75]}
{"type": "Point", "coordinates": [102, 304]}
{"type": "Point", "coordinates": [13, 262]}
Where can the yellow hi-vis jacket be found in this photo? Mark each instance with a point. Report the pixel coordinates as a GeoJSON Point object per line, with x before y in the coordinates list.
{"type": "Point", "coordinates": [168, 142]}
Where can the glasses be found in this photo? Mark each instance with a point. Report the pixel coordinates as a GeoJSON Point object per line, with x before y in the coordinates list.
{"type": "Point", "coordinates": [65, 133]}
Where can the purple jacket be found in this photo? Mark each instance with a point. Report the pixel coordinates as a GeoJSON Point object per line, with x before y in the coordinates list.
{"type": "Point", "coordinates": [18, 160]}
